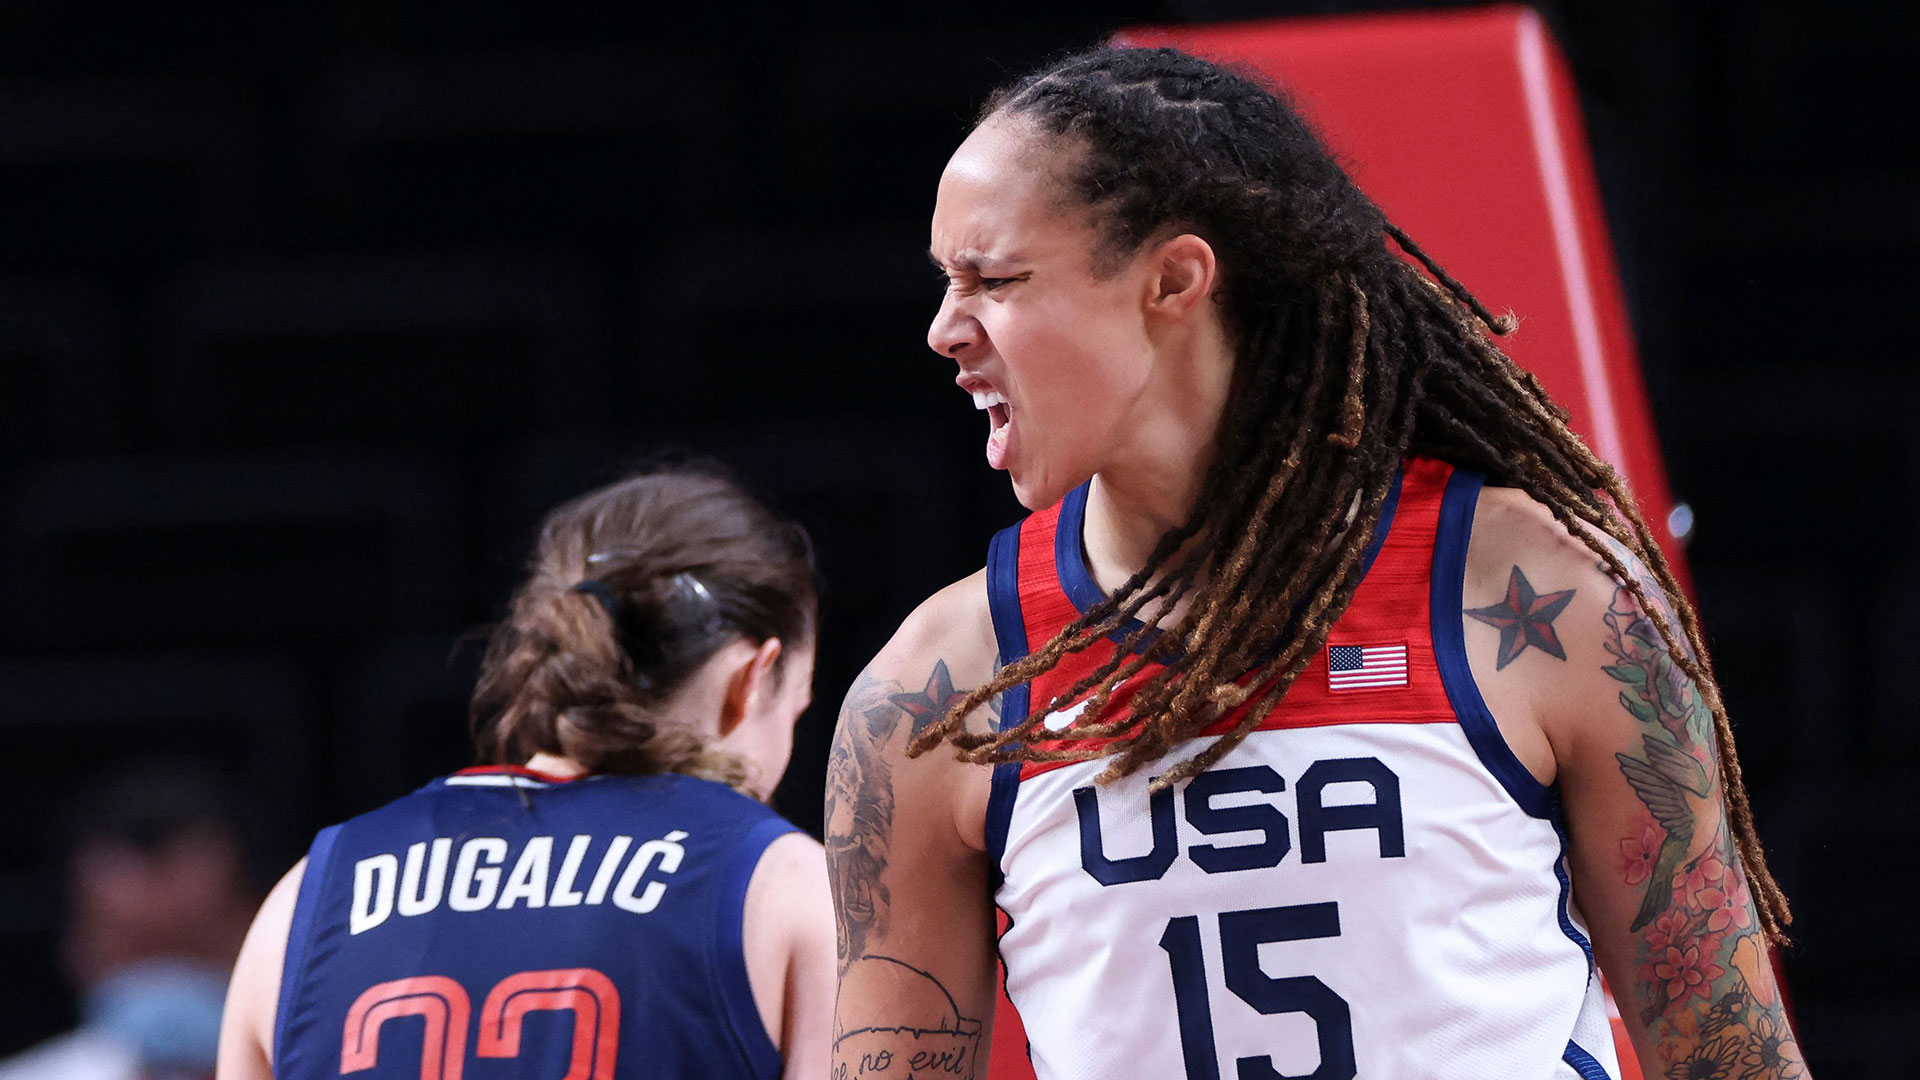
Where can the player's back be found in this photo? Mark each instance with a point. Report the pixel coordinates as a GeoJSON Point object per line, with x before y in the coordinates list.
{"type": "Point", "coordinates": [503, 923]}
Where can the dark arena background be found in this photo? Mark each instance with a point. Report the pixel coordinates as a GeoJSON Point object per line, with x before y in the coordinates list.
{"type": "Point", "coordinates": [308, 312]}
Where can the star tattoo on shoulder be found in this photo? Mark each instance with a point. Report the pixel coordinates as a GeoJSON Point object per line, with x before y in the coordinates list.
{"type": "Point", "coordinates": [929, 705]}
{"type": "Point", "coordinates": [1525, 618]}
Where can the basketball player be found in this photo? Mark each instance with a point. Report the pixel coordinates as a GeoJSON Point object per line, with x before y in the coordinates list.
{"type": "Point", "coordinates": [610, 897]}
{"type": "Point", "coordinates": [1333, 715]}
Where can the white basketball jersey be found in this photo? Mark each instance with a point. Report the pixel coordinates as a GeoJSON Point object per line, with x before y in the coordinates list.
{"type": "Point", "coordinates": [1371, 885]}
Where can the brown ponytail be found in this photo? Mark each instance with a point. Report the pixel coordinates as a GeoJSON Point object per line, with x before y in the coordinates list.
{"type": "Point", "coordinates": [631, 589]}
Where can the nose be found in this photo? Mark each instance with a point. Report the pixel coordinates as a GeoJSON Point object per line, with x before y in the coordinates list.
{"type": "Point", "coordinates": [953, 331]}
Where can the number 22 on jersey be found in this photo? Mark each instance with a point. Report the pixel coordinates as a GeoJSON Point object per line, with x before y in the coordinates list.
{"type": "Point", "coordinates": [446, 1009]}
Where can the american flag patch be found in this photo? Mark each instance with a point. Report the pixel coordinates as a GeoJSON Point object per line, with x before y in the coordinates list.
{"type": "Point", "coordinates": [1366, 667]}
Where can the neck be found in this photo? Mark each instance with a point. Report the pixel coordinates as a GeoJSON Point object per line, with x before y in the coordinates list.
{"type": "Point", "coordinates": [1126, 517]}
{"type": "Point", "coordinates": [555, 765]}
{"type": "Point", "coordinates": [1152, 485]}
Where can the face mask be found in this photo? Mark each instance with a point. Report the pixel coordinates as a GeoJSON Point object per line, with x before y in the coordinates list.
{"type": "Point", "coordinates": [166, 1011]}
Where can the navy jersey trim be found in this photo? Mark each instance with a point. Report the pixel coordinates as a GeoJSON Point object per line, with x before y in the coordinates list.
{"type": "Point", "coordinates": [1076, 578]}
{"type": "Point", "coordinates": [1010, 634]}
{"type": "Point", "coordinates": [1584, 1063]}
{"type": "Point", "coordinates": [1009, 625]}
{"type": "Point", "coordinates": [1563, 906]}
{"type": "Point", "coordinates": [1450, 648]}
{"type": "Point", "coordinates": [730, 955]}
{"type": "Point", "coordinates": [1068, 554]}
{"type": "Point", "coordinates": [300, 931]}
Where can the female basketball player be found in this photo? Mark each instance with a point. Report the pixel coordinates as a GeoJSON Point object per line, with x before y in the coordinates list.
{"type": "Point", "coordinates": [610, 897]}
{"type": "Point", "coordinates": [1334, 713]}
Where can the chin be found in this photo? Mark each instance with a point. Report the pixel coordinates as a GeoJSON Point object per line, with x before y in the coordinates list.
{"type": "Point", "coordinates": [1037, 492]}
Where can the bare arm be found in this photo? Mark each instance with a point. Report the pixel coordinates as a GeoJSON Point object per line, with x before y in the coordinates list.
{"type": "Point", "coordinates": [905, 857]}
{"type": "Point", "coordinates": [788, 937]}
{"type": "Point", "coordinates": [253, 997]}
{"type": "Point", "coordinates": [1653, 865]}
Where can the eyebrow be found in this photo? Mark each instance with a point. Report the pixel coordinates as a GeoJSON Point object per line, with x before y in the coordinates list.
{"type": "Point", "coordinates": [961, 262]}
{"type": "Point", "coordinates": [966, 263]}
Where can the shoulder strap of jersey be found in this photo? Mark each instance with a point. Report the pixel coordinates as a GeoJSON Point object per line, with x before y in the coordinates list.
{"type": "Point", "coordinates": [1024, 593]}
{"type": "Point", "coordinates": [1025, 599]}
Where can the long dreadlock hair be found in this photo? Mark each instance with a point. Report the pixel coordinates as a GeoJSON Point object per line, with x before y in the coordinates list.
{"type": "Point", "coordinates": [1349, 360]}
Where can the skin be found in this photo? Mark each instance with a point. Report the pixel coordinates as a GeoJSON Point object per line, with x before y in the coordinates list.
{"type": "Point", "coordinates": [1654, 873]}
{"type": "Point", "coordinates": [1122, 377]}
{"type": "Point", "coordinates": [1118, 376]}
{"type": "Point", "coordinates": [748, 706]}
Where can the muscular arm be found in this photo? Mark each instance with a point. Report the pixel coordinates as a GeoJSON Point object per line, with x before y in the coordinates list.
{"type": "Point", "coordinates": [1633, 750]}
{"type": "Point", "coordinates": [905, 857]}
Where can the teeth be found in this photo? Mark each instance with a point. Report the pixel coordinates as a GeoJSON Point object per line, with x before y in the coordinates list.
{"type": "Point", "coordinates": [979, 400]}
{"type": "Point", "coordinates": [993, 397]}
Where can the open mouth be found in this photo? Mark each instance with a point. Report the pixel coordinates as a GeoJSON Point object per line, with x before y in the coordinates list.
{"type": "Point", "coordinates": [1000, 417]}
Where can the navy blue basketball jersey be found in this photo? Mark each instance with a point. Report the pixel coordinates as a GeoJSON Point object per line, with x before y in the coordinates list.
{"type": "Point", "coordinates": [503, 923]}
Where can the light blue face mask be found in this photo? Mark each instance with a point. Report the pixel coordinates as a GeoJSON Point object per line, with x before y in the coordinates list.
{"type": "Point", "coordinates": [166, 1011]}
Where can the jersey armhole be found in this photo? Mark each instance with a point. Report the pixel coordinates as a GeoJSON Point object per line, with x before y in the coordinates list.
{"type": "Point", "coordinates": [1450, 545]}
{"type": "Point", "coordinates": [299, 933]}
{"type": "Point", "coordinates": [735, 989]}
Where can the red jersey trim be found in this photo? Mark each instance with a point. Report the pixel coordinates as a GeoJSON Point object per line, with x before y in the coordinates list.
{"type": "Point", "coordinates": [519, 770]}
{"type": "Point", "coordinates": [1392, 603]}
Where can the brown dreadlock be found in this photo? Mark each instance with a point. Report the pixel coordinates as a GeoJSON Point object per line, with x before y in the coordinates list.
{"type": "Point", "coordinates": [1349, 361]}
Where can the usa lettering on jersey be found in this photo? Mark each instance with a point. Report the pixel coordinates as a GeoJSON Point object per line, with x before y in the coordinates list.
{"type": "Point", "coordinates": [384, 886]}
{"type": "Point", "coordinates": [1316, 816]}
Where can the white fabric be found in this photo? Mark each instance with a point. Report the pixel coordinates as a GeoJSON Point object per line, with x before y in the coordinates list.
{"type": "Point", "coordinates": [1451, 959]}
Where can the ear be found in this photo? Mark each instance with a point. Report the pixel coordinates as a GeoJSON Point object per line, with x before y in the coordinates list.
{"type": "Point", "coordinates": [746, 684]}
{"type": "Point", "coordinates": [1184, 273]}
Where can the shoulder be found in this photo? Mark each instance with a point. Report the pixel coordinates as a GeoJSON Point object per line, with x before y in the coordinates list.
{"type": "Point", "coordinates": [942, 652]}
{"type": "Point", "coordinates": [789, 884]}
{"type": "Point", "coordinates": [956, 622]}
{"type": "Point", "coordinates": [787, 900]}
{"type": "Point", "coordinates": [1521, 555]}
{"type": "Point", "coordinates": [1544, 613]}
{"type": "Point", "coordinates": [946, 643]}
{"type": "Point", "coordinates": [1511, 527]}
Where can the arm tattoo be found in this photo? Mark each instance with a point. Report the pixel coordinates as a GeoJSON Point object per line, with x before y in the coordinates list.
{"type": "Point", "coordinates": [859, 811]}
{"type": "Point", "coordinates": [1525, 618]}
{"type": "Point", "coordinates": [1701, 969]}
{"type": "Point", "coordinates": [922, 1032]}
{"type": "Point", "coordinates": [930, 1039]}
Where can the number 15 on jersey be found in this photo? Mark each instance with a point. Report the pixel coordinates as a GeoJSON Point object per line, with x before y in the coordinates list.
{"type": "Point", "coordinates": [1241, 935]}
